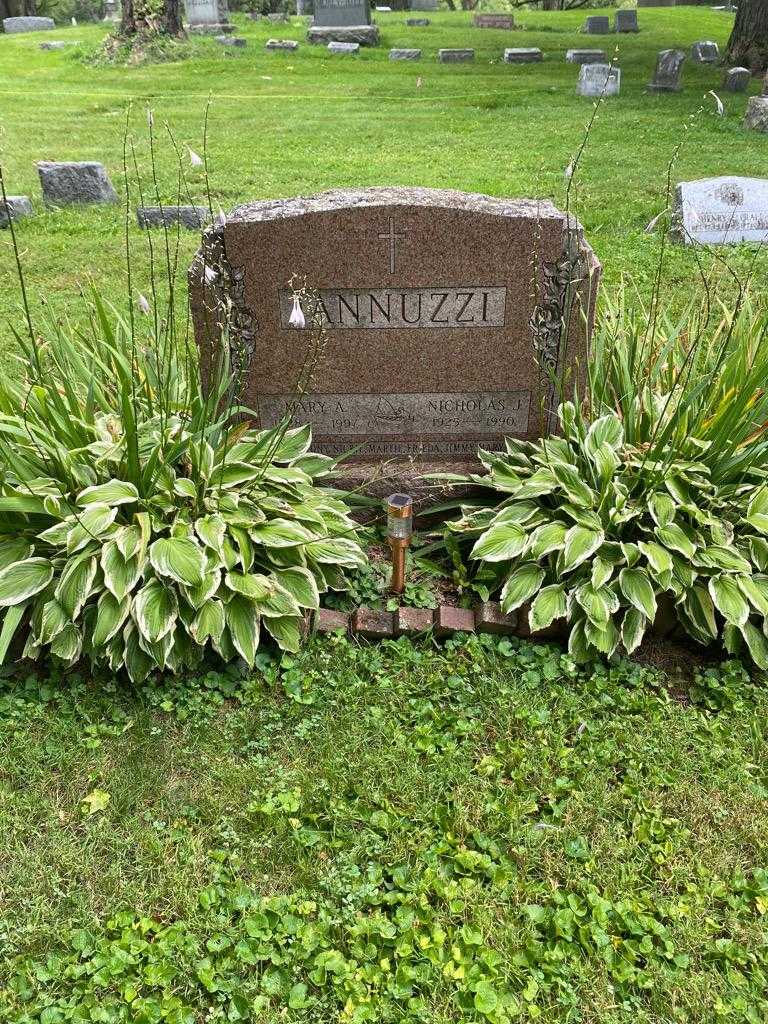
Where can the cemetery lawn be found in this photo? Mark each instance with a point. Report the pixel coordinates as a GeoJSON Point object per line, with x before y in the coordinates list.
{"type": "Point", "coordinates": [474, 832]}
{"type": "Point", "coordinates": [284, 125]}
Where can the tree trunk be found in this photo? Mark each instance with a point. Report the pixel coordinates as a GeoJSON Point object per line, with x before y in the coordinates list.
{"type": "Point", "coordinates": [170, 18]}
{"type": "Point", "coordinates": [137, 15]}
{"type": "Point", "coordinates": [748, 45]}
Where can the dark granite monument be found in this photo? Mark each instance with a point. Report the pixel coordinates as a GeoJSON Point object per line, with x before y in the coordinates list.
{"type": "Point", "coordinates": [444, 313]}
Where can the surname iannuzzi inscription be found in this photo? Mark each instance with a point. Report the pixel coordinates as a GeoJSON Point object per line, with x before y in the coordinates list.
{"type": "Point", "coordinates": [402, 308]}
{"type": "Point", "coordinates": [350, 415]}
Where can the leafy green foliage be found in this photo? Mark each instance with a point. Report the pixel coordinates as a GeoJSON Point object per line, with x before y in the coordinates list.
{"type": "Point", "coordinates": [143, 522]}
{"type": "Point", "coordinates": [544, 843]}
{"type": "Point", "coordinates": [596, 532]}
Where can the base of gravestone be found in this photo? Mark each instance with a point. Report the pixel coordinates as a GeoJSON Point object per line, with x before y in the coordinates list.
{"type": "Point", "coordinates": [365, 35]}
{"type": "Point", "coordinates": [214, 29]}
{"type": "Point", "coordinates": [419, 479]}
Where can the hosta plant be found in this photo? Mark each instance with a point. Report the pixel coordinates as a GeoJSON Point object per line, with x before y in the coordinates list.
{"type": "Point", "coordinates": [592, 532]}
{"type": "Point", "coordinates": [142, 522]}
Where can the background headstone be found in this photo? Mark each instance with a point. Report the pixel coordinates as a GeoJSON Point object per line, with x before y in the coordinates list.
{"type": "Point", "coordinates": [417, 22]}
{"type": "Point", "coordinates": [279, 17]}
{"type": "Point", "coordinates": [705, 52]}
{"type": "Point", "coordinates": [13, 208]}
{"type": "Point", "coordinates": [625, 21]}
{"type": "Point", "coordinates": [208, 16]}
{"type": "Point", "coordinates": [597, 25]}
{"type": "Point", "coordinates": [669, 67]}
{"type": "Point", "coordinates": [756, 116]}
{"type": "Point", "coordinates": [737, 79]}
{"type": "Point", "coordinates": [598, 80]}
{"type": "Point", "coordinates": [504, 21]}
{"type": "Point", "coordinates": [334, 13]}
{"type": "Point", "coordinates": [75, 182]}
{"type": "Point", "coordinates": [437, 339]}
{"type": "Point", "coordinates": [722, 211]}
{"type": "Point", "coordinates": [522, 55]}
{"type": "Point", "coordinates": [28, 24]}
{"type": "Point", "coordinates": [237, 41]}
{"type": "Point", "coordinates": [656, 3]}
{"type": "Point", "coordinates": [424, 5]}
{"type": "Point", "coordinates": [404, 54]}
{"type": "Point", "coordinates": [455, 56]}
{"type": "Point", "coordinates": [191, 217]}
{"type": "Point", "coordinates": [585, 57]}
{"type": "Point", "coordinates": [281, 44]}
{"type": "Point", "coordinates": [53, 44]}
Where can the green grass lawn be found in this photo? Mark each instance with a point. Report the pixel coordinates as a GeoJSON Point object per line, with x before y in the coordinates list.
{"type": "Point", "coordinates": [477, 832]}
{"type": "Point", "coordinates": [294, 124]}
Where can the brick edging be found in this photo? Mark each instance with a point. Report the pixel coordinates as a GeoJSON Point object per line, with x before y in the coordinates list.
{"type": "Point", "coordinates": [446, 620]}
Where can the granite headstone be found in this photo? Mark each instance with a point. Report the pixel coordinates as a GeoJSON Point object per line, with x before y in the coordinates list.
{"type": "Point", "coordinates": [705, 52]}
{"type": "Point", "coordinates": [334, 13]}
{"type": "Point", "coordinates": [208, 16]}
{"type": "Point", "coordinates": [722, 211]}
{"type": "Point", "coordinates": [28, 24]}
{"type": "Point", "coordinates": [625, 21]}
{"type": "Point", "coordinates": [597, 80]}
{"type": "Point", "coordinates": [404, 54]}
{"type": "Point", "coordinates": [737, 79]}
{"type": "Point", "coordinates": [13, 208]}
{"type": "Point", "coordinates": [597, 25]}
{"type": "Point", "coordinates": [504, 21]}
{"type": "Point", "coordinates": [455, 56]}
{"type": "Point", "coordinates": [522, 55]}
{"type": "Point", "coordinates": [190, 217]}
{"type": "Point", "coordinates": [85, 182]}
{"type": "Point", "coordinates": [437, 338]}
{"type": "Point", "coordinates": [669, 67]}
{"type": "Point", "coordinates": [585, 57]}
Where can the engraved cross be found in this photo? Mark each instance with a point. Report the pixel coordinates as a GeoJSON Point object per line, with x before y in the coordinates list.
{"type": "Point", "coordinates": [391, 236]}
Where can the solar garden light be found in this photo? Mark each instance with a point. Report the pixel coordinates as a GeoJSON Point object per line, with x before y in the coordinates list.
{"type": "Point", "coordinates": [399, 532]}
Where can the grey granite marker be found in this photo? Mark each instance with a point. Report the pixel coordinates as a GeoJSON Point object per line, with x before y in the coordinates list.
{"type": "Point", "coordinates": [597, 80]}
{"type": "Point", "coordinates": [585, 57]}
{"type": "Point", "coordinates": [13, 208]}
{"type": "Point", "coordinates": [666, 77]}
{"type": "Point", "coordinates": [737, 79]}
{"type": "Point", "coordinates": [705, 52]}
{"type": "Point", "coordinates": [191, 217]}
{"type": "Point", "coordinates": [404, 54]}
{"type": "Point", "coordinates": [28, 24]}
{"type": "Point", "coordinates": [448, 56]}
{"type": "Point", "coordinates": [522, 55]}
{"type": "Point", "coordinates": [67, 183]}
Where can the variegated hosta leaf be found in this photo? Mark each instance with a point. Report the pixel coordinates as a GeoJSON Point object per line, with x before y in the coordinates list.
{"type": "Point", "coordinates": [209, 623]}
{"type": "Point", "coordinates": [580, 544]}
{"type": "Point", "coordinates": [16, 549]}
{"type": "Point", "coordinates": [243, 622]}
{"type": "Point", "coordinates": [729, 600]}
{"type": "Point", "coordinates": [120, 575]}
{"type": "Point", "coordinates": [286, 630]}
{"type": "Point", "coordinates": [521, 585]}
{"type": "Point", "coordinates": [76, 583]}
{"type": "Point", "coordinates": [68, 643]}
{"type": "Point", "coordinates": [757, 644]}
{"type": "Point", "coordinates": [282, 533]}
{"type": "Point", "coordinates": [633, 629]}
{"type": "Point", "coordinates": [548, 605]}
{"type": "Point", "coordinates": [599, 603]}
{"type": "Point", "coordinates": [301, 585]}
{"type": "Point", "coordinates": [339, 551]}
{"type": "Point", "coordinates": [178, 558]}
{"type": "Point", "coordinates": [50, 622]}
{"type": "Point", "coordinates": [604, 637]}
{"type": "Point", "coordinates": [155, 609]}
{"type": "Point", "coordinates": [500, 543]}
{"type": "Point", "coordinates": [21, 580]}
{"type": "Point", "coordinates": [92, 523]}
{"type": "Point", "coordinates": [116, 492]}
{"type": "Point", "coordinates": [545, 539]}
{"type": "Point", "coordinates": [211, 529]}
{"type": "Point", "coordinates": [110, 616]}
{"type": "Point", "coordinates": [637, 588]}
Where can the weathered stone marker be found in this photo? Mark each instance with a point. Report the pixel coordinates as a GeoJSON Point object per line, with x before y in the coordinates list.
{"type": "Point", "coordinates": [190, 217]}
{"type": "Point", "coordinates": [669, 67]}
{"type": "Point", "coordinates": [598, 80]}
{"type": "Point", "coordinates": [66, 183]}
{"type": "Point", "coordinates": [404, 54]}
{"type": "Point", "coordinates": [340, 49]}
{"type": "Point", "coordinates": [28, 24]}
{"type": "Point", "coordinates": [14, 208]}
{"type": "Point", "coordinates": [705, 52]}
{"type": "Point", "coordinates": [522, 55]}
{"type": "Point", "coordinates": [756, 116]}
{"type": "Point", "coordinates": [434, 324]}
{"type": "Point", "coordinates": [722, 211]}
{"type": "Point", "coordinates": [625, 21]}
{"type": "Point", "coordinates": [208, 17]}
{"type": "Point", "coordinates": [343, 21]}
{"type": "Point", "coordinates": [737, 79]}
{"type": "Point", "coordinates": [455, 56]}
{"type": "Point", "coordinates": [505, 21]}
{"type": "Point", "coordinates": [281, 44]}
{"type": "Point", "coordinates": [417, 22]}
{"type": "Point", "coordinates": [597, 25]}
{"type": "Point", "coordinates": [585, 57]}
